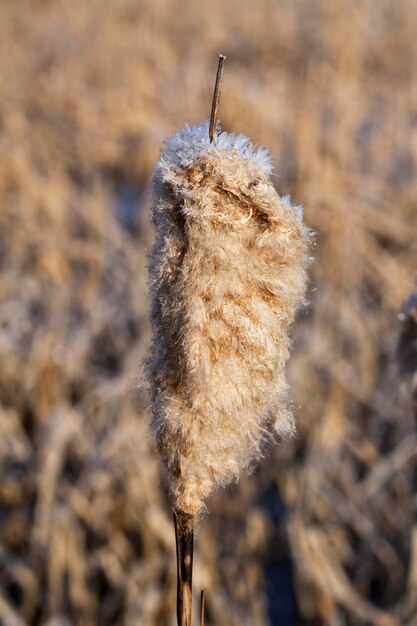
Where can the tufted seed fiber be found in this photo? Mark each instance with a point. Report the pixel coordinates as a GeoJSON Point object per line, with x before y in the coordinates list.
{"type": "Point", "coordinates": [227, 274]}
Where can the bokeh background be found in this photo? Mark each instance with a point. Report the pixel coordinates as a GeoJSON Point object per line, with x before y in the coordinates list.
{"type": "Point", "coordinates": [324, 532]}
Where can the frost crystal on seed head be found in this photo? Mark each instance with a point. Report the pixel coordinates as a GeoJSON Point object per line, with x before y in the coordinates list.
{"type": "Point", "coordinates": [188, 144]}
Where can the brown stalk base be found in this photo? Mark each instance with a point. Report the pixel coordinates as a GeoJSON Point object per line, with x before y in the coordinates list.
{"type": "Point", "coordinates": [184, 535]}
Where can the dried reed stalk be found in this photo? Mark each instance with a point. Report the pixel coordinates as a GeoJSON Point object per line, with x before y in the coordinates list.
{"type": "Point", "coordinates": [202, 607]}
{"type": "Point", "coordinates": [227, 273]}
{"type": "Point", "coordinates": [407, 349]}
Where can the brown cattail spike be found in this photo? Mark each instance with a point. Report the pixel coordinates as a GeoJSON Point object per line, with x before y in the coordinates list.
{"type": "Point", "coordinates": [184, 536]}
{"type": "Point", "coordinates": [216, 97]}
{"type": "Point", "coordinates": [227, 273]}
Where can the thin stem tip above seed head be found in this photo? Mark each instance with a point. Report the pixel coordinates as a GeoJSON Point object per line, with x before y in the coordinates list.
{"type": "Point", "coordinates": [216, 97]}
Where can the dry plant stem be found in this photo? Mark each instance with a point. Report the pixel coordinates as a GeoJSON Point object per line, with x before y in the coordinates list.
{"type": "Point", "coordinates": [184, 536]}
{"type": "Point", "coordinates": [407, 349]}
{"type": "Point", "coordinates": [202, 607]}
{"type": "Point", "coordinates": [216, 97]}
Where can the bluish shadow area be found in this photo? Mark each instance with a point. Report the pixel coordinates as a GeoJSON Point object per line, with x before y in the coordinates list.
{"type": "Point", "coordinates": [130, 201]}
{"type": "Point", "coordinates": [282, 602]}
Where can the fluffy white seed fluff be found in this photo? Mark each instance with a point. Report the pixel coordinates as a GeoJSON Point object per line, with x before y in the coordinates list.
{"type": "Point", "coordinates": [227, 273]}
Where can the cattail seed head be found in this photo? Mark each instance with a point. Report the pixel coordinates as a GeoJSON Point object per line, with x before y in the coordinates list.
{"type": "Point", "coordinates": [227, 274]}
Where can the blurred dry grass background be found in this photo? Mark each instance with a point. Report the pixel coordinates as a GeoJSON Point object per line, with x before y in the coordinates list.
{"type": "Point", "coordinates": [324, 533]}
